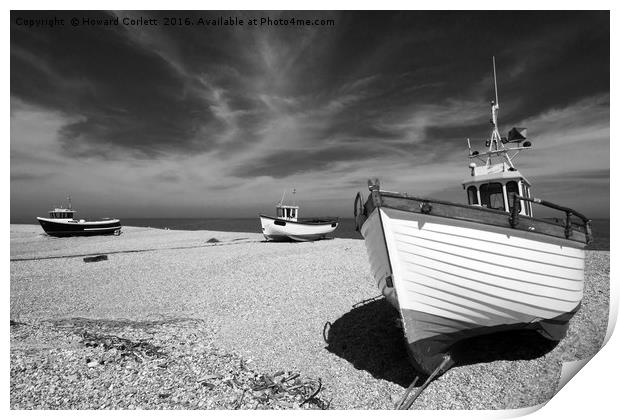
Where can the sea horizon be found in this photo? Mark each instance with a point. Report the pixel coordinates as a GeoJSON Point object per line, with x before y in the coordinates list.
{"type": "Point", "coordinates": [345, 230]}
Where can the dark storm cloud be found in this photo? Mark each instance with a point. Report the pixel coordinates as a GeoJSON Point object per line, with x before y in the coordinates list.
{"type": "Point", "coordinates": [282, 100]}
{"type": "Point", "coordinates": [122, 95]}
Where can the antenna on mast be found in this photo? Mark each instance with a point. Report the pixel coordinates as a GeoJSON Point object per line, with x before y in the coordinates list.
{"type": "Point", "coordinates": [494, 143]}
{"type": "Point", "coordinates": [282, 199]}
{"type": "Point", "coordinates": [495, 80]}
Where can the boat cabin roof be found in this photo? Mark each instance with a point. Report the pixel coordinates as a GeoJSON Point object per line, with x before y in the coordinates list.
{"type": "Point", "coordinates": [282, 206]}
{"type": "Point", "coordinates": [502, 175]}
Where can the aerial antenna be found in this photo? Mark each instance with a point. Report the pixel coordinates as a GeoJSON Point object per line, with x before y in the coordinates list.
{"type": "Point", "coordinates": [294, 191]}
{"type": "Point", "coordinates": [495, 80]}
{"type": "Point", "coordinates": [494, 142]}
{"type": "Point", "coordinates": [69, 200]}
{"type": "Point", "coordinates": [282, 199]}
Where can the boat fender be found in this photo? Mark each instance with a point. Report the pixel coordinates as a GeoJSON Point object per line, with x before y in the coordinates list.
{"type": "Point", "coordinates": [358, 211]}
{"type": "Point", "coordinates": [426, 207]}
{"type": "Point", "coordinates": [568, 228]}
{"type": "Point", "coordinates": [513, 219]}
{"type": "Point", "coordinates": [326, 328]}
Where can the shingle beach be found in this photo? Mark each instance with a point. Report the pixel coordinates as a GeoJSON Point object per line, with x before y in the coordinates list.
{"type": "Point", "coordinates": [205, 319]}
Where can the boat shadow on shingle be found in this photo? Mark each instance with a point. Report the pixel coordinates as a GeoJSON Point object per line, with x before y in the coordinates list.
{"type": "Point", "coordinates": [371, 339]}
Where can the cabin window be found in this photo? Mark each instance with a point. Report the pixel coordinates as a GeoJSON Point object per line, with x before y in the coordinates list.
{"type": "Point", "coordinates": [512, 188]}
{"type": "Point", "coordinates": [472, 195]}
{"type": "Point", "coordinates": [492, 195]}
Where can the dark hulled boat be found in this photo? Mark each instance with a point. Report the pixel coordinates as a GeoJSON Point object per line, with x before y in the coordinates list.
{"type": "Point", "coordinates": [61, 222]}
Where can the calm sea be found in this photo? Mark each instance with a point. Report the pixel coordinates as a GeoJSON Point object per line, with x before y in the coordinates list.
{"type": "Point", "coordinates": [346, 229]}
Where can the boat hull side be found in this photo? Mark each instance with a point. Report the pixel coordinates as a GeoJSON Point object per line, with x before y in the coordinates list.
{"type": "Point", "coordinates": [54, 228]}
{"type": "Point", "coordinates": [295, 231]}
{"type": "Point", "coordinates": [376, 248]}
{"type": "Point", "coordinates": [429, 337]}
{"type": "Point", "coordinates": [453, 279]}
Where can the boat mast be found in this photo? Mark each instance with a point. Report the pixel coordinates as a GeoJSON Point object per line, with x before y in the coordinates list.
{"type": "Point", "coordinates": [495, 143]}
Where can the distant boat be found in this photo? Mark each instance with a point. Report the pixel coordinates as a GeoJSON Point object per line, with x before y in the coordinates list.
{"type": "Point", "coordinates": [460, 270]}
{"type": "Point", "coordinates": [61, 222]}
{"type": "Point", "coordinates": [287, 226]}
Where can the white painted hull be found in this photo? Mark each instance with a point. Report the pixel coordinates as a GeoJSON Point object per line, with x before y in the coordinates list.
{"type": "Point", "coordinates": [469, 276]}
{"type": "Point", "coordinates": [296, 231]}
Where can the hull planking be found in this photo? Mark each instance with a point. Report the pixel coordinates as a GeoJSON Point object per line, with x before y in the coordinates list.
{"type": "Point", "coordinates": [451, 278]}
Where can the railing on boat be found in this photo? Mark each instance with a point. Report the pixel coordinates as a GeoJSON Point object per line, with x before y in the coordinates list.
{"type": "Point", "coordinates": [567, 229]}
{"type": "Point", "coordinates": [568, 225]}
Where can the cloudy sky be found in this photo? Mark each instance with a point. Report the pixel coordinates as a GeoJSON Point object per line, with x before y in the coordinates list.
{"type": "Point", "coordinates": [204, 121]}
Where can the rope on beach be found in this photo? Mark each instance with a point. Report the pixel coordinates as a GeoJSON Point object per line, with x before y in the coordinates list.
{"type": "Point", "coordinates": [132, 251]}
{"type": "Point", "coordinates": [407, 402]}
{"type": "Point", "coordinates": [407, 392]}
{"type": "Point", "coordinates": [365, 301]}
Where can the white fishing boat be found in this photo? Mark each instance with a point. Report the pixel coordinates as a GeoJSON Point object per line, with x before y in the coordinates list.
{"type": "Point", "coordinates": [62, 222]}
{"type": "Point", "coordinates": [287, 226]}
{"type": "Point", "coordinates": [459, 270]}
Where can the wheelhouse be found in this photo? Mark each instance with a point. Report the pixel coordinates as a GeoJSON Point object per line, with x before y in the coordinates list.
{"type": "Point", "coordinates": [287, 212]}
{"type": "Point", "coordinates": [494, 188]}
{"type": "Point", "coordinates": [61, 214]}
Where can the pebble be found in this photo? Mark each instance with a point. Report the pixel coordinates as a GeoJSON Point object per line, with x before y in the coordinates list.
{"type": "Point", "coordinates": [210, 307]}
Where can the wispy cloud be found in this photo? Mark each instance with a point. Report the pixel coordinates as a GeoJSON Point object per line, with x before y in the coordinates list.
{"type": "Point", "coordinates": [154, 117]}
